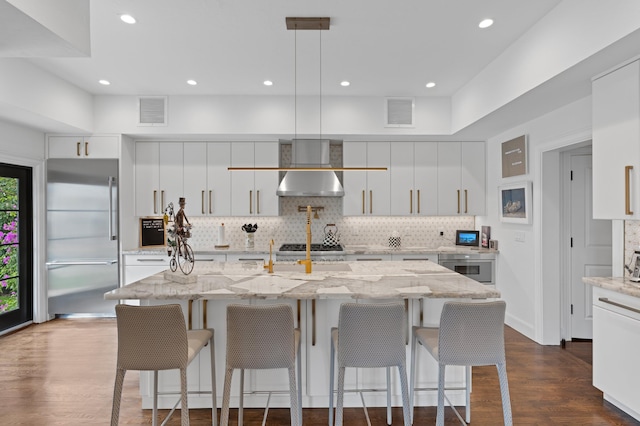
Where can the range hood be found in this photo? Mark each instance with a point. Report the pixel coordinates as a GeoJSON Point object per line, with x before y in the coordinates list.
{"type": "Point", "coordinates": [310, 153]}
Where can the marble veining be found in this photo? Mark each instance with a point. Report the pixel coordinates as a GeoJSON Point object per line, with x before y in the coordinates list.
{"type": "Point", "coordinates": [362, 280]}
{"type": "Point", "coordinates": [617, 284]}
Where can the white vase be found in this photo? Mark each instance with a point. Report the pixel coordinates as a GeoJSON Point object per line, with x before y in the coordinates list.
{"type": "Point", "coordinates": [249, 240]}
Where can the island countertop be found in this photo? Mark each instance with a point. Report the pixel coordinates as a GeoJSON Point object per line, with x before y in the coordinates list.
{"type": "Point", "coordinates": [330, 280]}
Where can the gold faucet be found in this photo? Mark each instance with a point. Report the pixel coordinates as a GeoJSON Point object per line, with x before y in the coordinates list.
{"type": "Point", "coordinates": [269, 266]}
{"type": "Point", "coordinates": [307, 261]}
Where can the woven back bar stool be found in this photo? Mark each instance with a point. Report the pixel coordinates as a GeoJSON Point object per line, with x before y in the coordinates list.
{"type": "Point", "coordinates": [262, 337]}
{"type": "Point", "coordinates": [369, 336]}
{"type": "Point", "coordinates": [153, 338]}
{"type": "Point", "coordinates": [470, 334]}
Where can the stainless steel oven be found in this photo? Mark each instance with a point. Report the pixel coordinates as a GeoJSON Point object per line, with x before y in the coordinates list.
{"type": "Point", "coordinates": [477, 266]}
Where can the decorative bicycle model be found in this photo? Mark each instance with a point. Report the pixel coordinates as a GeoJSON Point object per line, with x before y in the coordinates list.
{"type": "Point", "coordinates": [177, 246]}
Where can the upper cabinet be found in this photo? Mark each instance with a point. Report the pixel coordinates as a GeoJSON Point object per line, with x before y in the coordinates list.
{"type": "Point", "coordinates": [207, 181]}
{"type": "Point", "coordinates": [414, 178]}
{"type": "Point", "coordinates": [366, 192]}
{"type": "Point", "coordinates": [159, 176]}
{"type": "Point", "coordinates": [461, 178]}
{"type": "Point", "coordinates": [253, 193]}
{"type": "Point", "coordinates": [83, 147]}
{"type": "Point", "coordinates": [616, 144]}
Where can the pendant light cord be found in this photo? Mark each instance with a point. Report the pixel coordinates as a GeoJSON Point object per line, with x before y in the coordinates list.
{"type": "Point", "coordinates": [320, 78]}
{"type": "Point", "coordinates": [295, 83]}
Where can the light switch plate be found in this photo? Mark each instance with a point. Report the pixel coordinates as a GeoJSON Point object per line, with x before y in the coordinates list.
{"type": "Point", "coordinates": [520, 236]}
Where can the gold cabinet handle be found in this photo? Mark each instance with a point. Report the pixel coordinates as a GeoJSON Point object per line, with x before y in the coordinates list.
{"type": "Point", "coordinates": [210, 202]}
{"type": "Point", "coordinates": [155, 202]}
{"type": "Point", "coordinates": [466, 202]}
{"type": "Point", "coordinates": [78, 149]}
{"type": "Point", "coordinates": [363, 201]}
{"type": "Point", "coordinates": [298, 303]}
{"type": "Point", "coordinates": [86, 149]}
{"type": "Point", "coordinates": [202, 202]}
{"type": "Point", "coordinates": [162, 199]}
{"type": "Point", "coordinates": [190, 318]}
{"type": "Point", "coordinates": [250, 202]}
{"type": "Point", "coordinates": [418, 201]}
{"type": "Point", "coordinates": [458, 201]}
{"type": "Point", "coordinates": [411, 201]}
{"type": "Point", "coordinates": [204, 313]}
{"type": "Point", "coordinates": [627, 196]}
{"type": "Point", "coordinates": [258, 201]}
{"type": "Point", "coordinates": [406, 315]}
{"type": "Point", "coordinates": [370, 202]}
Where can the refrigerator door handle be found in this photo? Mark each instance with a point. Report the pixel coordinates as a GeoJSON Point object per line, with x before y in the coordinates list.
{"type": "Point", "coordinates": [81, 262]}
{"type": "Point", "coordinates": [112, 236]}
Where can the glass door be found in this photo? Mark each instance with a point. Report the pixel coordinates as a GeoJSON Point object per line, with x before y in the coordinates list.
{"type": "Point", "coordinates": [16, 246]}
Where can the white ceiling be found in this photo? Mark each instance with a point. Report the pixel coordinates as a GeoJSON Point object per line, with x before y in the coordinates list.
{"type": "Point", "coordinates": [230, 47]}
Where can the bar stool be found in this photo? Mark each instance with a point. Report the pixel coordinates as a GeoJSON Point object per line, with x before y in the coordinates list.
{"type": "Point", "coordinates": [262, 337]}
{"type": "Point", "coordinates": [469, 334]}
{"type": "Point", "coordinates": [152, 338]}
{"type": "Point", "coordinates": [369, 336]}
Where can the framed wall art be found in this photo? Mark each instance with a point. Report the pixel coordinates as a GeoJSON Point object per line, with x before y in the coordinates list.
{"type": "Point", "coordinates": [515, 203]}
{"type": "Point", "coordinates": [514, 157]}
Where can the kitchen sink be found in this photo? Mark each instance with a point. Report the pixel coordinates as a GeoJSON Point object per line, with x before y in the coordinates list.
{"type": "Point", "coordinates": [319, 267]}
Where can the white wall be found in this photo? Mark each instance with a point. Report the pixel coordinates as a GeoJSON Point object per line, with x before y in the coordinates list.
{"type": "Point", "coordinates": [246, 116]}
{"type": "Point", "coordinates": [521, 264]}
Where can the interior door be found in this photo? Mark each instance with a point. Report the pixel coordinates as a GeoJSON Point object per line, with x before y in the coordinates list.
{"type": "Point", "coordinates": [591, 251]}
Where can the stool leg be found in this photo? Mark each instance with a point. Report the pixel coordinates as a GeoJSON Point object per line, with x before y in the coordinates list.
{"type": "Point", "coordinates": [389, 421]}
{"type": "Point", "coordinates": [467, 392]}
{"type": "Point", "coordinates": [154, 421]}
{"type": "Point", "coordinates": [241, 401]}
{"type": "Point", "coordinates": [406, 407]}
{"type": "Point", "coordinates": [214, 396]}
{"type": "Point", "coordinates": [184, 410]}
{"type": "Point", "coordinates": [226, 393]}
{"type": "Point", "coordinates": [440, 413]}
{"type": "Point", "coordinates": [117, 396]}
{"type": "Point", "coordinates": [413, 371]}
{"type": "Point", "coordinates": [331, 374]}
{"type": "Point", "coordinates": [299, 383]}
{"type": "Point", "coordinates": [293, 395]}
{"type": "Point", "coordinates": [340, 404]}
{"type": "Point", "coordinates": [504, 390]}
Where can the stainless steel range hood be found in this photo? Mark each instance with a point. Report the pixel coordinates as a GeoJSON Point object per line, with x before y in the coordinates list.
{"type": "Point", "coordinates": [310, 153]}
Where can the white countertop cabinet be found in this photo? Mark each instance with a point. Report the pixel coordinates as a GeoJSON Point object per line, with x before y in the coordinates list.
{"type": "Point", "coordinates": [616, 345]}
{"type": "Point", "coordinates": [461, 178]}
{"type": "Point", "coordinates": [616, 144]}
{"type": "Point", "coordinates": [253, 193]}
{"type": "Point", "coordinates": [366, 193]}
{"type": "Point", "coordinates": [414, 178]}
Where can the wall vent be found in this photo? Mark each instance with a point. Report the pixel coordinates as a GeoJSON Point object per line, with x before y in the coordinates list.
{"type": "Point", "coordinates": [398, 112]}
{"type": "Point", "coordinates": [152, 111]}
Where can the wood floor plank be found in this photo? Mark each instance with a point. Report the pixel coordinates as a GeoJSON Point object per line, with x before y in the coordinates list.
{"type": "Point", "coordinates": [61, 373]}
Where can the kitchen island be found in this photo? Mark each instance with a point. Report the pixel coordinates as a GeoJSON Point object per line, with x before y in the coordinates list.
{"type": "Point", "coordinates": [422, 286]}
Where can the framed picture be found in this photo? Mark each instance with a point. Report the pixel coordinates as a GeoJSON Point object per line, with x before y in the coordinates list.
{"type": "Point", "coordinates": [514, 157]}
{"type": "Point", "coordinates": [515, 203]}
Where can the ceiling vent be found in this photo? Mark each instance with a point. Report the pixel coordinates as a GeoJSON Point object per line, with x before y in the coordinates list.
{"type": "Point", "coordinates": [398, 112]}
{"type": "Point", "coordinates": [152, 111]}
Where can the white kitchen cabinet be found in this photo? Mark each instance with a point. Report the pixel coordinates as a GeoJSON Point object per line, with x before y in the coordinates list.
{"type": "Point", "coordinates": [414, 178]}
{"type": "Point", "coordinates": [616, 144]}
{"type": "Point", "coordinates": [461, 178]}
{"type": "Point", "coordinates": [253, 193]}
{"type": "Point", "coordinates": [159, 176]}
{"type": "Point", "coordinates": [207, 181]}
{"type": "Point", "coordinates": [139, 266]}
{"type": "Point", "coordinates": [83, 147]}
{"type": "Point", "coordinates": [366, 192]}
{"type": "Point", "coordinates": [616, 327]}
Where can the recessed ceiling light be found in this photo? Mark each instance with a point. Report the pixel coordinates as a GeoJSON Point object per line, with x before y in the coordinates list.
{"type": "Point", "coordinates": [486, 23]}
{"type": "Point", "coordinates": [104, 82]}
{"type": "Point", "coordinates": [128, 19]}
{"type": "Point", "coordinates": [430, 84]}
{"type": "Point", "coordinates": [344, 83]}
{"type": "Point", "coordinates": [192, 82]}
{"type": "Point", "coordinates": [268, 83]}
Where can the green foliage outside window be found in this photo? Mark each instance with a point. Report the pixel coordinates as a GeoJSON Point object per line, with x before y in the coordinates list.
{"type": "Point", "coordinates": [8, 244]}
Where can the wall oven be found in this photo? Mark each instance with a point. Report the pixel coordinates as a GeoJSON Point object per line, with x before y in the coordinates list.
{"type": "Point", "coordinates": [477, 266]}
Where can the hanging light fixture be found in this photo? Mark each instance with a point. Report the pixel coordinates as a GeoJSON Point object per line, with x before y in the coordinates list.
{"type": "Point", "coordinates": [318, 24]}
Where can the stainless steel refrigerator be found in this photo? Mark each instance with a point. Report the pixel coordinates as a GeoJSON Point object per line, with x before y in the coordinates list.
{"type": "Point", "coordinates": [82, 235]}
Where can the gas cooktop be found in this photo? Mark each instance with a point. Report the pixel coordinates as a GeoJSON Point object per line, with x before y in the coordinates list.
{"type": "Point", "coordinates": [314, 247]}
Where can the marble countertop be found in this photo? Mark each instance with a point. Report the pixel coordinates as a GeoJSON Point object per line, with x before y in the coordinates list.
{"type": "Point", "coordinates": [617, 284]}
{"type": "Point", "coordinates": [329, 280]}
{"type": "Point", "coordinates": [348, 249]}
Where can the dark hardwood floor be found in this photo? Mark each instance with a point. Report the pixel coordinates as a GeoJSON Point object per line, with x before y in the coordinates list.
{"type": "Point", "coordinates": [62, 372]}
